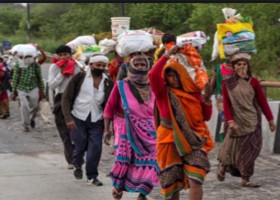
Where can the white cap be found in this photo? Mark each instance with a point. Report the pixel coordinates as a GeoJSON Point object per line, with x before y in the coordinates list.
{"type": "Point", "coordinates": [99, 58]}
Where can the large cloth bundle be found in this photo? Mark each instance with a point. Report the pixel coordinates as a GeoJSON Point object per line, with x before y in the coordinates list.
{"type": "Point", "coordinates": [156, 35]}
{"type": "Point", "coordinates": [20, 49]}
{"type": "Point", "coordinates": [82, 40]}
{"type": "Point", "coordinates": [134, 41]}
{"type": "Point", "coordinates": [196, 38]}
{"type": "Point", "coordinates": [107, 46]}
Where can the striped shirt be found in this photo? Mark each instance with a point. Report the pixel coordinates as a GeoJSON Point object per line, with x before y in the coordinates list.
{"type": "Point", "coordinates": [25, 79]}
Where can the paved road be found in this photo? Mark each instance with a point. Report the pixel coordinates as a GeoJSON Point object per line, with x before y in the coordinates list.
{"type": "Point", "coordinates": [33, 167]}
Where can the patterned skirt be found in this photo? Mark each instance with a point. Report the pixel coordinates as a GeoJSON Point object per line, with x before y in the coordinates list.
{"type": "Point", "coordinates": [131, 172]}
{"type": "Point", "coordinates": [175, 171]}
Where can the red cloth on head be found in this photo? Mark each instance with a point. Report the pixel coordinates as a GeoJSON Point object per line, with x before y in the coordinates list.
{"type": "Point", "coordinates": [69, 68]}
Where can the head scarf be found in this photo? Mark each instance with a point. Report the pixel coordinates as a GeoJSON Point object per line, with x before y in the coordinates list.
{"type": "Point", "coordinates": [187, 82]}
{"type": "Point", "coordinates": [139, 78]}
{"type": "Point", "coordinates": [241, 57]}
{"type": "Point", "coordinates": [186, 113]}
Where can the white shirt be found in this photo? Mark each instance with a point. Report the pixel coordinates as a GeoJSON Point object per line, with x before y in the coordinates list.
{"type": "Point", "coordinates": [90, 99]}
{"type": "Point", "coordinates": [57, 81]}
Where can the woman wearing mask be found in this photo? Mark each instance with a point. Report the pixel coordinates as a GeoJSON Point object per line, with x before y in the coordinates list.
{"type": "Point", "coordinates": [132, 102]}
{"type": "Point", "coordinates": [244, 101]}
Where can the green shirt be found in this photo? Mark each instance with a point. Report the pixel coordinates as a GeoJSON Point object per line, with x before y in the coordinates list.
{"type": "Point", "coordinates": [26, 79]}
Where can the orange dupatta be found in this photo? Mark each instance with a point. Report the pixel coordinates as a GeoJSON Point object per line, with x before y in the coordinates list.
{"type": "Point", "coordinates": [189, 129]}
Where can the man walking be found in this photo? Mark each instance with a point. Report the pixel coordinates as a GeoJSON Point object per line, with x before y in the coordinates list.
{"type": "Point", "coordinates": [29, 86]}
{"type": "Point", "coordinates": [60, 73]}
{"type": "Point", "coordinates": [83, 103]}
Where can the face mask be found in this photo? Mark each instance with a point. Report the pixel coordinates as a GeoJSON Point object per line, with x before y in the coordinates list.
{"type": "Point", "coordinates": [97, 72]}
{"type": "Point", "coordinates": [28, 61]}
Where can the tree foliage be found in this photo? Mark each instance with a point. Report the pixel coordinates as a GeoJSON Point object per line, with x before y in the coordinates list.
{"type": "Point", "coordinates": [9, 20]}
{"type": "Point", "coordinates": [64, 22]}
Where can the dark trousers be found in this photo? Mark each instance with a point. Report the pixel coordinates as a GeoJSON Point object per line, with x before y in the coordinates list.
{"type": "Point", "coordinates": [87, 138]}
{"type": "Point", "coordinates": [64, 134]}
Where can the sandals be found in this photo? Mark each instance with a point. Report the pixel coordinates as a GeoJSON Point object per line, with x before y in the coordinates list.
{"type": "Point", "coordinates": [221, 174]}
{"type": "Point", "coordinates": [141, 197]}
{"type": "Point", "coordinates": [117, 195]}
{"type": "Point", "coordinates": [249, 184]}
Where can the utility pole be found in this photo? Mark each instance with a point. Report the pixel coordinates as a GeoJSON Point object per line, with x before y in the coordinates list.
{"type": "Point", "coordinates": [123, 9]}
{"type": "Point", "coordinates": [28, 20]}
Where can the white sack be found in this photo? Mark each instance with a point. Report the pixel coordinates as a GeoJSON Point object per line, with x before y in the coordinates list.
{"type": "Point", "coordinates": [45, 111]}
{"type": "Point", "coordinates": [134, 41]}
{"type": "Point", "coordinates": [215, 51]}
{"type": "Point", "coordinates": [21, 48]}
{"type": "Point", "coordinates": [82, 40]}
{"type": "Point", "coordinates": [196, 38]}
{"type": "Point", "coordinates": [107, 45]}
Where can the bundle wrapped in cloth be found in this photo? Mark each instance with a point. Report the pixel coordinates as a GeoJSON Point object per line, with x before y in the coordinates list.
{"type": "Point", "coordinates": [86, 40]}
{"type": "Point", "coordinates": [20, 49]}
{"type": "Point", "coordinates": [234, 36]}
{"type": "Point", "coordinates": [107, 45]}
{"type": "Point", "coordinates": [134, 41]}
{"type": "Point", "coordinates": [155, 33]}
{"type": "Point", "coordinates": [197, 39]}
{"type": "Point", "coordinates": [192, 61]}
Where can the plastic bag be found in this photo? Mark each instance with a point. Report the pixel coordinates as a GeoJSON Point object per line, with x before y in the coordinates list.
{"type": "Point", "coordinates": [236, 38]}
{"type": "Point", "coordinates": [134, 41]}
{"type": "Point", "coordinates": [228, 14]}
{"type": "Point", "coordinates": [45, 111]}
{"type": "Point", "coordinates": [197, 39]}
{"type": "Point", "coordinates": [82, 40]}
{"type": "Point", "coordinates": [84, 52]}
{"type": "Point", "coordinates": [231, 18]}
{"type": "Point", "coordinates": [215, 51]}
{"type": "Point", "coordinates": [107, 45]}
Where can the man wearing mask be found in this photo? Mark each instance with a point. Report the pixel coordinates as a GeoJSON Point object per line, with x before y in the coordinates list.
{"type": "Point", "coordinates": [83, 103]}
{"type": "Point", "coordinates": [60, 73]}
{"type": "Point", "coordinates": [27, 81]}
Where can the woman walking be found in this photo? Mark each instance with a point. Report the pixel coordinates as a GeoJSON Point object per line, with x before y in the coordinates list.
{"type": "Point", "coordinates": [132, 103]}
{"type": "Point", "coordinates": [183, 138]}
{"type": "Point", "coordinates": [244, 101]}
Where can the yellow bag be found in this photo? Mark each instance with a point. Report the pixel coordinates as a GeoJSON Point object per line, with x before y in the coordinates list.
{"type": "Point", "coordinates": [236, 38]}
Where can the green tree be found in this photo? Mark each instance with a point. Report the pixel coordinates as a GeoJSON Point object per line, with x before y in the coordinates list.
{"type": "Point", "coordinates": [9, 20]}
{"type": "Point", "coordinates": [167, 17]}
{"type": "Point", "coordinates": [45, 19]}
{"type": "Point", "coordinates": [85, 18]}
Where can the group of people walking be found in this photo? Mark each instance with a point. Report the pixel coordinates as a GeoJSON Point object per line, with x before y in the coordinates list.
{"type": "Point", "coordinates": [157, 113]}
